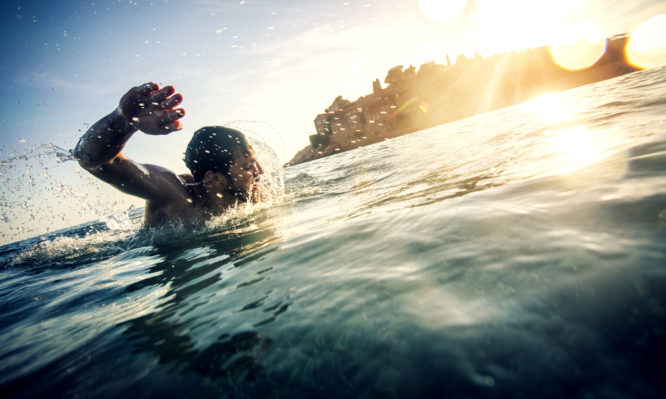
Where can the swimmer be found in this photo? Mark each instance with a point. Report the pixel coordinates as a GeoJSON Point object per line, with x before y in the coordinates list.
{"type": "Point", "coordinates": [224, 170]}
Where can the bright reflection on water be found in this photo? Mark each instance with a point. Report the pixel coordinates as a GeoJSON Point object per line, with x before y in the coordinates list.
{"type": "Point", "coordinates": [569, 142]}
{"type": "Point", "coordinates": [576, 148]}
{"type": "Point", "coordinates": [552, 108]}
{"type": "Point", "coordinates": [573, 147]}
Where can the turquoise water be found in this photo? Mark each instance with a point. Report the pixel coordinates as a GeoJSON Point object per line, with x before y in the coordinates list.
{"type": "Point", "coordinates": [518, 253]}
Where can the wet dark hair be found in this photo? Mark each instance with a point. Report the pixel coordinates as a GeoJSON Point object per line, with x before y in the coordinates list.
{"type": "Point", "coordinates": [214, 148]}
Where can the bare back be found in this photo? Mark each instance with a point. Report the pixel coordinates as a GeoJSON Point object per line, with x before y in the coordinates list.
{"type": "Point", "coordinates": [168, 196]}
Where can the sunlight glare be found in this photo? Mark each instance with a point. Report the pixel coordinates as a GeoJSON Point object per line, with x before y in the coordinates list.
{"type": "Point", "coordinates": [647, 46]}
{"type": "Point", "coordinates": [443, 11]}
{"type": "Point", "coordinates": [518, 24]}
{"type": "Point", "coordinates": [579, 45]}
{"type": "Point", "coordinates": [575, 148]}
{"type": "Point", "coordinates": [572, 144]}
{"type": "Point", "coordinates": [551, 108]}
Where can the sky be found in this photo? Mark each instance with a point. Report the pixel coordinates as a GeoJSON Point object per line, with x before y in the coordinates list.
{"type": "Point", "coordinates": [267, 67]}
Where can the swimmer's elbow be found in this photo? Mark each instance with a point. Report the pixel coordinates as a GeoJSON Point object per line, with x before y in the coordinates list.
{"type": "Point", "coordinates": [86, 160]}
{"type": "Point", "coordinates": [82, 157]}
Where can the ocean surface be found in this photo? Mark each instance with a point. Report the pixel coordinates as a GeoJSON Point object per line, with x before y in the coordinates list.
{"type": "Point", "coordinates": [520, 253]}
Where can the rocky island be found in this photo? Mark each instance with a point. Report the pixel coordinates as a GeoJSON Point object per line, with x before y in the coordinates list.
{"type": "Point", "coordinates": [434, 94]}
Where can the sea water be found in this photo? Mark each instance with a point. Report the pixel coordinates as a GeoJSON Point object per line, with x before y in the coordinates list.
{"type": "Point", "coordinates": [517, 253]}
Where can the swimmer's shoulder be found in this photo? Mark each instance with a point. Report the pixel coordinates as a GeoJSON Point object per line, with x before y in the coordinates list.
{"type": "Point", "coordinates": [182, 206]}
{"type": "Point", "coordinates": [186, 178]}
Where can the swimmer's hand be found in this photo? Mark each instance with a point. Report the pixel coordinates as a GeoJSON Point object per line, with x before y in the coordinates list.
{"type": "Point", "coordinates": [151, 109]}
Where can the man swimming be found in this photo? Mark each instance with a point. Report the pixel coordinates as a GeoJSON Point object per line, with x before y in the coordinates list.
{"type": "Point", "coordinates": [222, 163]}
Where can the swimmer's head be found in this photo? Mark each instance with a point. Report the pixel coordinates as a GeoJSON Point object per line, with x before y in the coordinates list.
{"type": "Point", "coordinates": [215, 148]}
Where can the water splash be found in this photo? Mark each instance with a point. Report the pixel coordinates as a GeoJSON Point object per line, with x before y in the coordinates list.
{"type": "Point", "coordinates": [40, 151]}
{"type": "Point", "coordinates": [43, 191]}
{"type": "Point", "coordinates": [262, 133]}
{"type": "Point", "coordinates": [268, 144]}
{"type": "Point", "coordinates": [70, 251]}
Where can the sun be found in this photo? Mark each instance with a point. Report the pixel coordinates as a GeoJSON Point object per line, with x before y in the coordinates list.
{"type": "Point", "coordinates": [443, 11]}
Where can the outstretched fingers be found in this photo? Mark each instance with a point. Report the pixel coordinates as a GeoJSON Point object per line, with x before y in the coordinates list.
{"type": "Point", "coordinates": [150, 94]}
{"type": "Point", "coordinates": [151, 109]}
{"type": "Point", "coordinates": [175, 114]}
{"type": "Point", "coordinates": [171, 127]}
{"type": "Point", "coordinates": [161, 94]}
{"type": "Point", "coordinates": [171, 122]}
{"type": "Point", "coordinates": [172, 101]}
{"type": "Point", "coordinates": [147, 88]}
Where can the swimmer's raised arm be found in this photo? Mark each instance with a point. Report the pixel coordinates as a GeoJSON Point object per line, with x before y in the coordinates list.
{"type": "Point", "coordinates": [151, 110]}
{"type": "Point", "coordinates": [147, 108]}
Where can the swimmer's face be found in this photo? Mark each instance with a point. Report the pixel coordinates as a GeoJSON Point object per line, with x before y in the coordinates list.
{"type": "Point", "coordinates": [245, 172]}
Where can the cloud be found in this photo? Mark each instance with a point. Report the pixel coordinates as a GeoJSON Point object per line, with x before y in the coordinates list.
{"type": "Point", "coordinates": [268, 6]}
{"type": "Point", "coordinates": [218, 6]}
{"type": "Point", "coordinates": [54, 82]}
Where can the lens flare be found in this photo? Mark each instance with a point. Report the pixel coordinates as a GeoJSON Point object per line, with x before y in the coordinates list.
{"type": "Point", "coordinates": [579, 45]}
{"type": "Point", "coordinates": [647, 45]}
{"type": "Point", "coordinates": [443, 11]}
{"type": "Point", "coordinates": [401, 108]}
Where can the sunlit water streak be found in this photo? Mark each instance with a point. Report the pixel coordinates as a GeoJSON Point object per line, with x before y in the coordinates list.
{"type": "Point", "coordinates": [519, 253]}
